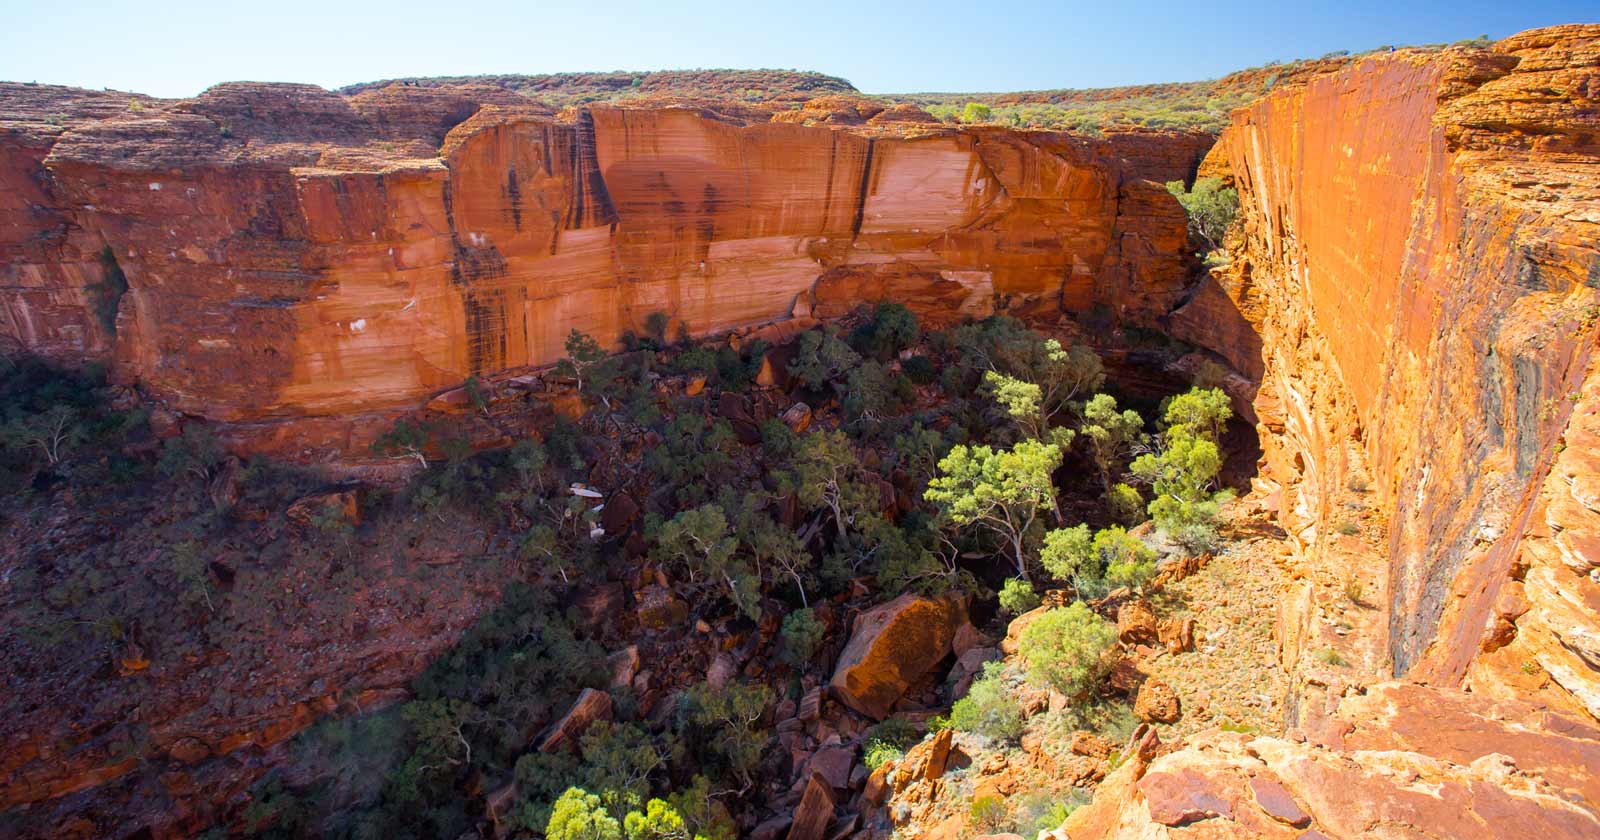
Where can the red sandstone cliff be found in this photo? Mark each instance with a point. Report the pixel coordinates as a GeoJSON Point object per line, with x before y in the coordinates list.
{"type": "Point", "coordinates": [291, 253]}
{"type": "Point", "coordinates": [1419, 260]}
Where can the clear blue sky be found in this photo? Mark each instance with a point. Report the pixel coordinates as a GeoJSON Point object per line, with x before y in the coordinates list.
{"type": "Point", "coordinates": [179, 47]}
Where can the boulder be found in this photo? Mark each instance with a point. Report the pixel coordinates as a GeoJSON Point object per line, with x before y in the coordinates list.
{"type": "Point", "coordinates": [1157, 703]}
{"type": "Point", "coordinates": [966, 638]}
{"type": "Point", "coordinates": [834, 764]}
{"type": "Point", "coordinates": [597, 606]}
{"type": "Point", "coordinates": [722, 671]}
{"type": "Point", "coordinates": [810, 707]}
{"type": "Point", "coordinates": [927, 760]}
{"type": "Point", "coordinates": [498, 805]}
{"type": "Point", "coordinates": [798, 417]}
{"type": "Point", "coordinates": [623, 665]}
{"type": "Point", "coordinates": [342, 504]}
{"type": "Point", "coordinates": [893, 646]}
{"type": "Point", "coordinates": [1177, 634]}
{"type": "Point", "coordinates": [590, 706]}
{"type": "Point", "coordinates": [1090, 745]}
{"type": "Point", "coordinates": [815, 811]}
{"type": "Point", "coordinates": [771, 828]}
{"type": "Point", "coordinates": [1136, 624]}
{"type": "Point", "coordinates": [657, 608]}
{"type": "Point", "coordinates": [1013, 640]}
{"type": "Point", "coordinates": [619, 513]}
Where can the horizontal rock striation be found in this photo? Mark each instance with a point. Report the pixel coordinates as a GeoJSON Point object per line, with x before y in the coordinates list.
{"type": "Point", "coordinates": [289, 253]}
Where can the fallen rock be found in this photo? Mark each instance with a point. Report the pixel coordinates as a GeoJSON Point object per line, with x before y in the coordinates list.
{"type": "Point", "coordinates": [341, 505]}
{"type": "Point", "coordinates": [834, 764]}
{"type": "Point", "coordinates": [815, 811]}
{"type": "Point", "coordinates": [1277, 802]}
{"type": "Point", "coordinates": [657, 608]}
{"type": "Point", "coordinates": [623, 665]}
{"type": "Point", "coordinates": [798, 417]}
{"type": "Point", "coordinates": [1013, 640]}
{"type": "Point", "coordinates": [590, 706]}
{"type": "Point", "coordinates": [722, 671]}
{"type": "Point", "coordinates": [1090, 744]}
{"type": "Point", "coordinates": [966, 638]}
{"type": "Point", "coordinates": [810, 705]}
{"type": "Point", "coordinates": [1136, 624]}
{"type": "Point", "coordinates": [771, 828]}
{"type": "Point", "coordinates": [927, 760]}
{"type": "Point", "coordinates": [1157, 703]}
{"type": "Point", "coordinates": [893, 646]}
{"type": "Point", "coordinates": [1177, 634]}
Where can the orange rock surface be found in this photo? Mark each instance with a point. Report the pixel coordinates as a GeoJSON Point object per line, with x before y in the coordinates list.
{"type": "Point", "coordinates": [291, 254]}
{"type": "Point", "coordinates": [1420, 257]}
{"type": "Point", "coordinates": [1420, 264]}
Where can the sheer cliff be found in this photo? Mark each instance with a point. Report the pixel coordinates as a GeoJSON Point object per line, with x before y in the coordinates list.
{"type": "Point", "coordinates": [1419, 263]}
{"type": "Point", "coordinates": [292, 253]}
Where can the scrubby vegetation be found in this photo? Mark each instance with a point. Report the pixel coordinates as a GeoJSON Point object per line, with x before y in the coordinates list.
{"type": "Point", "coordinates": [1211, 207]}
{"type": "Point", "coordinates": [983, 459]}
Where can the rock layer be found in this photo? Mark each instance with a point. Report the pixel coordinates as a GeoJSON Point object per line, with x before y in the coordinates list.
{"type": "Point", "coordinates": [292, 254]}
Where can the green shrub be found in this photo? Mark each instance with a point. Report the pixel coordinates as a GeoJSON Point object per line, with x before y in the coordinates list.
{"type": "Point", "coordinates": [1017, 596]}
{"type": "Point", "coordinates": [989, 709]}
{"type": "Point", "coordinates": [725, 726]}
{"type": "Point", "coordinates": [988, 814]}
{"type": "Point", "coordinates": [880, 752]}
{"type": "Point", "coordinates": [578, 815]}
{"type": "Point", "coordinates": [802, 635]}
{"type": "Point", "coordinates": [920, 370]}
{"type": "Point", "coordinates": [976, 112]}
{"type": "Point", "coordinates": [1329, 656]}
{"type": "Point", "coordinates": [658, 821]}
{"type": "Point", "coordinates": [1211, 208]}
{"type": "Point", "coordinates": [1126, 504]}
{"type": "Point", "coordinates": [1065, 648]}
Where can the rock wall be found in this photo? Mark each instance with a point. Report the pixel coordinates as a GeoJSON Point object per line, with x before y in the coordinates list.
{"type": "Point", "coordinates": [1420, 263]}
{"type": "Point", "coordinates": [293, 254]}
{"type": "Point", "coordinates": [1420, 260]}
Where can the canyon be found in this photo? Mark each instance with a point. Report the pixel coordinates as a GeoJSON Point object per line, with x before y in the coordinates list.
{"type": "Point", "coordinates": [1409, 305]}
{"type": "Point", "coordinates": [307, 266]}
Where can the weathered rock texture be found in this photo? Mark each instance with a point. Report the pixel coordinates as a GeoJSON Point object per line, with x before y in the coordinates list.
{"type": "Point", "coordinates": [292, 254]}
{"type": "Point", "coordinates": [893, 645]}
{"type": "Point", "coordinates": [1421, 251]}
{"type": "Point", "coordinates": [1419, 262]}
{"type": "Point", "coordinates": [1400, 761]}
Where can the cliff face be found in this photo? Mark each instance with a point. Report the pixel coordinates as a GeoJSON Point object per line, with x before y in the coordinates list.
{"type": "Point", "coordinates": [1420, 236]}
{"type": "Point", "coordinates": [1419, 262]}
{"type": "Point", "coordinates": [291, 253]}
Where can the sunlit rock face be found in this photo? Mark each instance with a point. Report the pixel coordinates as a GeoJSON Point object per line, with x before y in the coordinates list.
{"type": "Point", "coordinates": [1420, 264]}
{"type": "Point", "coordinates": [1420, 249]}
{"type": "Point", "coordinates": [292, 254]}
